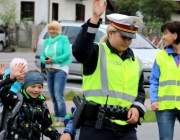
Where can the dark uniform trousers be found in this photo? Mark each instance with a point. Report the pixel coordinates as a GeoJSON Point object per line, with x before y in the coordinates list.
{"type": "Point", "coordinates": [110, 131]}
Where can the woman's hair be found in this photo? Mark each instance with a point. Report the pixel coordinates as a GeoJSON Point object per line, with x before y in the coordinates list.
{"type": "Point", "coordinates": [55, 25]}
{"type": "Point", "coordinates": [173, 27]}
{"type": "Point", "coordinates": [110, 28]}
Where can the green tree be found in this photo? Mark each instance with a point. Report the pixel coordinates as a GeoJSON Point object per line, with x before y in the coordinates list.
{"type": "Point", "coordinates": [8, 13]}
{"type": "Point", "coordinates": [127, 7]}
{"type": "Point", "coordinates": [157, 10]}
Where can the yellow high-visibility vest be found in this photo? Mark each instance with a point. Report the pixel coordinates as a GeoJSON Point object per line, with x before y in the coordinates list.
{"type": "Point", "coordinates": [169, 82]}
{"type": "Point", "coordinates": [113, 77]}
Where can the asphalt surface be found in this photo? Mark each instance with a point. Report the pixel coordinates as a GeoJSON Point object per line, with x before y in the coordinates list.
{"type": "Point", "coordinates": [147, 131]}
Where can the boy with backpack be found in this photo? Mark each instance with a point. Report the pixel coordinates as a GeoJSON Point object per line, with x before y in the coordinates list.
{"type": "Point", "coordinates": [27, 115]}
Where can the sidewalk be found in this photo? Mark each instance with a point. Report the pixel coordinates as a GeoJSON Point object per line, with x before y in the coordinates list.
{"type": "Point", "coordinates": [70, 104]}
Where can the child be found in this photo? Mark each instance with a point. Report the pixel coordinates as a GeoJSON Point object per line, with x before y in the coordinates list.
{"type": "Point", "coordinates": [33, 117]}
{"type": "Point", "coordinates": [19, 80]}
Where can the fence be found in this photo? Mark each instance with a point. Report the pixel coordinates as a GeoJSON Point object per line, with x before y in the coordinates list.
{"type": "Point", "coordinates": [24, 36]}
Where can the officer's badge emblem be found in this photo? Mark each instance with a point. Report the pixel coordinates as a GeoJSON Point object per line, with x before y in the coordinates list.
{"type": "Point", "coordinates": [131, 27]}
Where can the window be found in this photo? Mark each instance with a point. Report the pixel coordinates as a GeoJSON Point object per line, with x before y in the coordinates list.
{"type": "Point", "coordinates": [141, 43]}
{"type": "Point", "coordinates": [1, 30]}
{"type": "Point", "coordinates": [72, 33]}
{"type": "Point", "coordinates": [27, 11]}
{"type": "Point", "coordinates": [99, 35]}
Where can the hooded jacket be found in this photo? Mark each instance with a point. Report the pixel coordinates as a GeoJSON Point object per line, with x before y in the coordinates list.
{"type": "Point", "coordinates": [32, 119]}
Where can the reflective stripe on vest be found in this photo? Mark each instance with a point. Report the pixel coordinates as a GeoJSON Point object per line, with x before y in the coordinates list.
{"type": "Point", "coordinates": [169, 82]}
{"type": "Point", "coordinates": [98, 85]}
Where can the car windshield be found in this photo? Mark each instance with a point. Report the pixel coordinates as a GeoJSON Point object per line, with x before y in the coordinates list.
{"type": "Point", "coordinates": [141, 43]}
{"type": "Point", "coordinates": [72, 31]}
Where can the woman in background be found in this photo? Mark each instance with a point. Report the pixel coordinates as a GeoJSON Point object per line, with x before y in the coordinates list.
{"type": "Point", "coordinates": [165, 81]}
{"type": "Point", "coordinates": [56, 56]}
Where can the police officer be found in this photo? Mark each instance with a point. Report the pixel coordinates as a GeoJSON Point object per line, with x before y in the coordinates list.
{"type": "Point", "coordinates": [112, 79]}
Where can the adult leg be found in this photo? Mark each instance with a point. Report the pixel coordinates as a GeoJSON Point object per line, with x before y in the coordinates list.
{"type": "Point", "coordinates": [90, 133]}
{"type": "Point", "coordinates": [50, 82]}
{"type": "Point", "coordinates": [130, 135]}
{"type": "Point", "coordinates": [59, 86]}
{"type": "Point", "coordinates": [166, 120]}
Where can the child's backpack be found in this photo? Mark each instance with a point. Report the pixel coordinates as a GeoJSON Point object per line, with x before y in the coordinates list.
{"type": "Point", "coordinates": [6, 115]}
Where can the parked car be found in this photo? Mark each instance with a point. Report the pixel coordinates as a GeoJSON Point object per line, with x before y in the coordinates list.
{"type": "Point", "coordinates": [2, 38]}
{"type": "Point", "coordinates": [142, 48]}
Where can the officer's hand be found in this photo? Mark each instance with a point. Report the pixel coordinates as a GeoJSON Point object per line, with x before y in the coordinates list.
{"type": "Point", "coordinates": [154, 106]}
{"type": "Point", "coordinates": [133, 115]}
{"type": "Point", "coordinates": [98, 10]}
{"type": "Point", "coordinates": [65, 136]}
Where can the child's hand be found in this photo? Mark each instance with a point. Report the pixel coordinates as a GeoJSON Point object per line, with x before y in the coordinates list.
{"type": "Point", "coordinates": [17, 71]}
{"type": "Point", "coordinates": [2, 69]}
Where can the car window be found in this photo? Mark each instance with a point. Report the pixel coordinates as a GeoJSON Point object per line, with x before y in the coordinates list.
{"type": "Point", "coordinates": [72, 33]}
{"type": "Point", "coordinates": [99, 35]}
{"type": "Point", "coordinates": [1, 30]}
{"type": "Point", "coordinates": [47, 34]}
{"type": "Point", "coordinates": [141, 43]}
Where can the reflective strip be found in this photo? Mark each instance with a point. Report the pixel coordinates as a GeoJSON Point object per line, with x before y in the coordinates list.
{"type": "Point", "coordinates": [178, 98]}
{"type": "Point", "coordinates": [105, 91]}
{"type": "Point", "coordinates": [92, 30]}
{"type": "Point", "coordinates": [178, 83]}
{"type": "Point", "coordinates": [112, 94]}
{"type": "Point", "coordinates": [143, 107]}
{"type": "Point", "coordinates": [168, 98]}
{"type": "Point", "coordinates": [140, 67]}
{"type": "Point", "coordinates": [168, 82]}
{"type": "Point", "coordinates": [103, 64]}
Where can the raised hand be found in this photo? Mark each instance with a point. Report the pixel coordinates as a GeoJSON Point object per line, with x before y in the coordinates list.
{"type": "Point", "coordinates": [98, 10]}
{"type": "Point", "coordinates": [17, 70]}
{"type": "Point", "coordinates": [2, 69]}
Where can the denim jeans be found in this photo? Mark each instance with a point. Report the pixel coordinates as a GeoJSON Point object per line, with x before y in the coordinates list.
{"type": "Point", "coordinates": [166, 120]}
{"type": "Point", "coordinates": [56, 84]}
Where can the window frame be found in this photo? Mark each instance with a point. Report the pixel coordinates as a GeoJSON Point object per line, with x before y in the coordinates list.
{"type": "Point", "coordinates": [23, 3]}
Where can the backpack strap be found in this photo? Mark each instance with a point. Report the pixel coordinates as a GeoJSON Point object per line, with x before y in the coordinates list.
{"type": "Point", "coordinates": [13, 112]}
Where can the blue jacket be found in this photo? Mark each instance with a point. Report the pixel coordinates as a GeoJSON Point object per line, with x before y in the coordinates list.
{"type": "Point", "coordinates": [155, 74]}
{"type": "Point", "coordinates": [63, 51]}
{"type": "Point", "coordinates": [69, 127]}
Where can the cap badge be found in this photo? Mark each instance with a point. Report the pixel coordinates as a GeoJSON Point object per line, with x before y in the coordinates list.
{"type": "Point", "coordinates": [131, 27]}
{"type": "Point", "coordinates": [134, 21]}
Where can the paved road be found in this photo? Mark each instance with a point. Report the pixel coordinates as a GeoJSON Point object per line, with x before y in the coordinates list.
{"type": "Point", "coordinates": [147, 131]}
